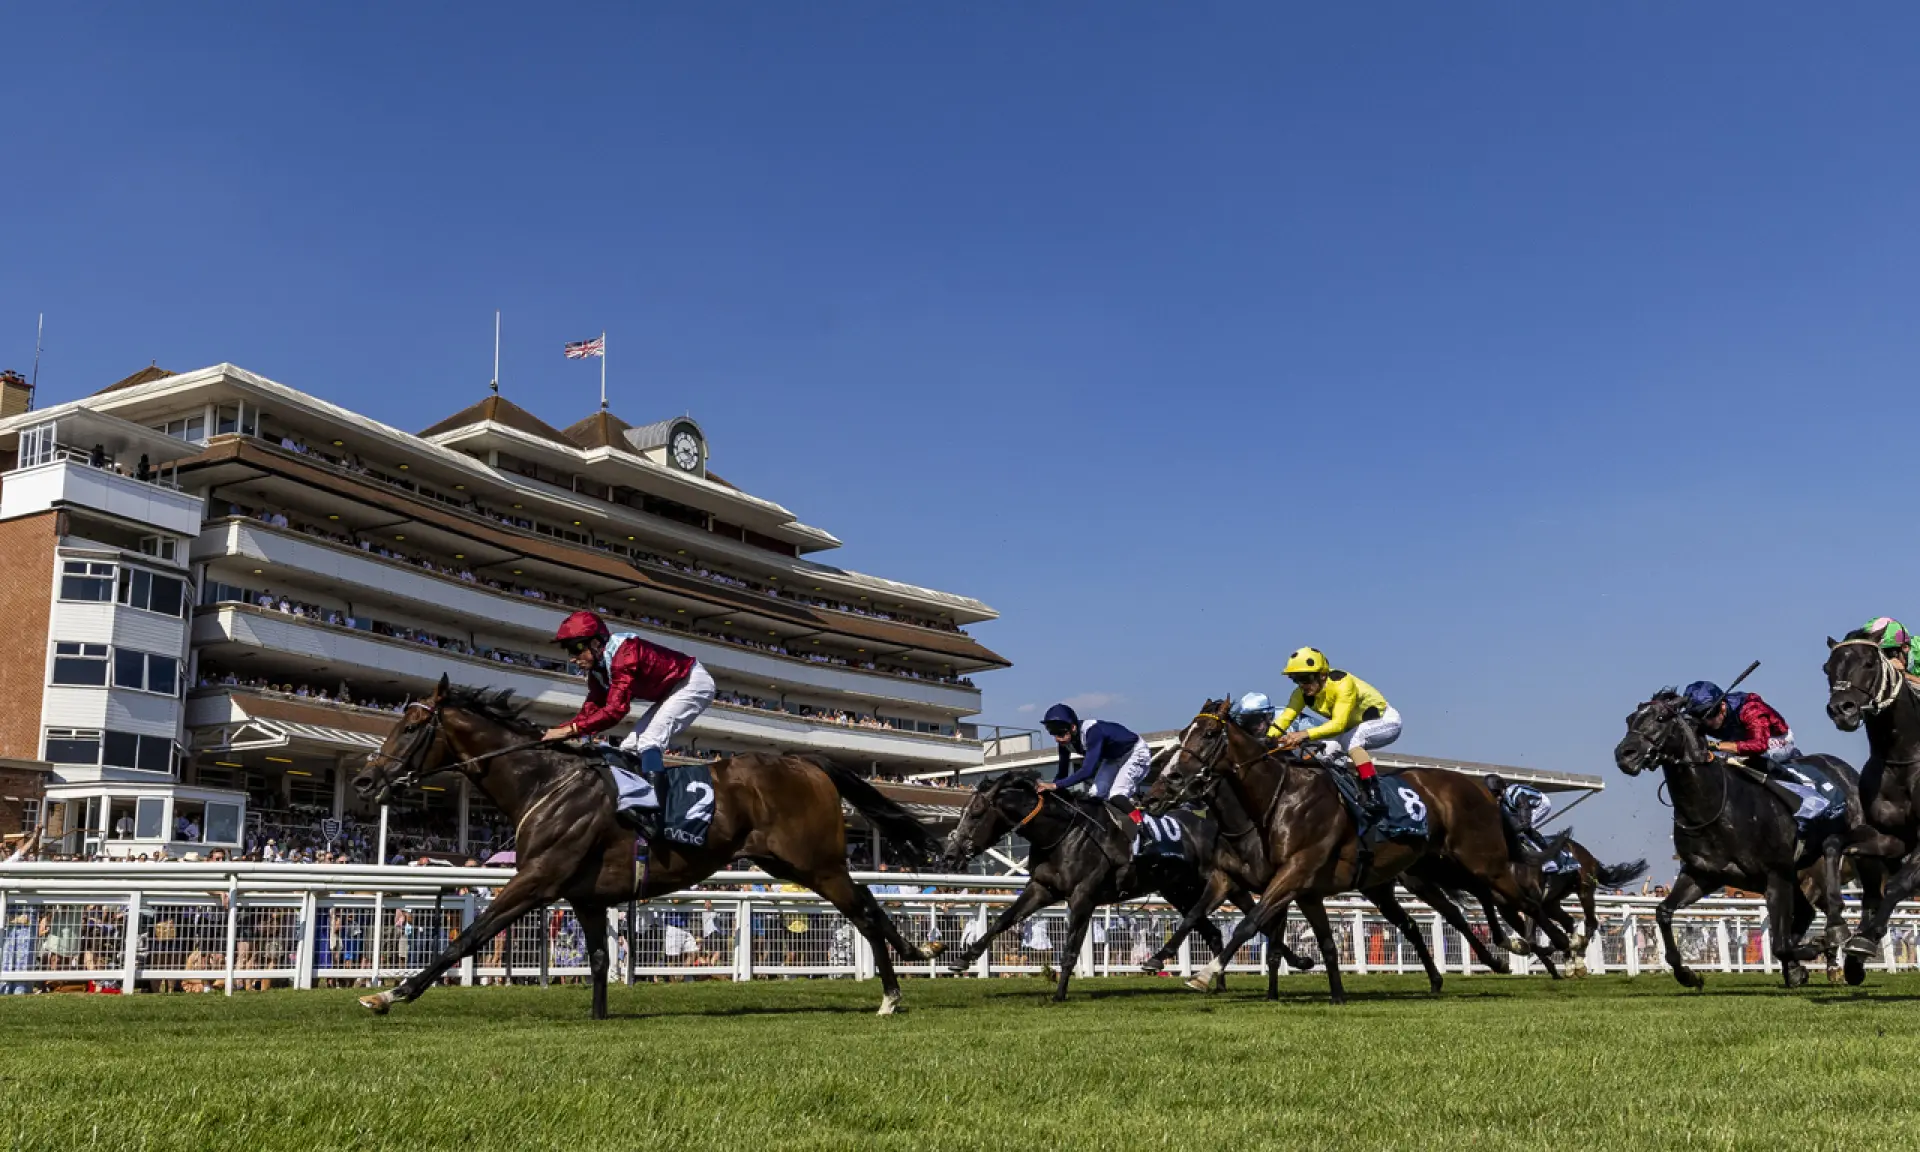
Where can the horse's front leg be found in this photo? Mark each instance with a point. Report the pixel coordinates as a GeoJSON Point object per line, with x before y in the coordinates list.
{"type": "Point", "coordinates": [593, 925]}
{"type": "Point", "coordinates": [1031, 899]}
{"type": "Point", "coordinates": [521, 895]}
{"type": "Point", "coordinates": [1687, 889]}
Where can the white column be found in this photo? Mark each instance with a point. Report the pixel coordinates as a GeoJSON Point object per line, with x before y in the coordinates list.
{"type": "Point", "coordinates": [233, 927]}
{"type": "Point", "coordinates": [339, 787]}
{"type": "Point", "coordinates": [742, 940]}
{"type": "Point", "coordinates": [309, 929]}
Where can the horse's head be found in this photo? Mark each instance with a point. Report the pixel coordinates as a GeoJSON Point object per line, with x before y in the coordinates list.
{"type": "Point", "coordinates": [1861, 680]}
{"type": "Point", "coordinates": [986, 819]}
{"type": "Point", "coordinates": [416, 748]}
{"type": "Point", "coordinates": [1198, 757]}
{"type": "Point", "coordinates": [1660, 732]}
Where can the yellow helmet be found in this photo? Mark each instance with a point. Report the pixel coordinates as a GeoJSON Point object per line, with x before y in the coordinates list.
{"type": "Point", "coordinates": [1306, 662]}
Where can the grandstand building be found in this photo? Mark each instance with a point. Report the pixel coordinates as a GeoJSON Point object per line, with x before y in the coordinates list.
{"type": "Point", "coordinates": [220, 589]}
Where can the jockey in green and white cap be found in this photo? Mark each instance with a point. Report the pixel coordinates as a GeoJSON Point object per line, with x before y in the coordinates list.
{"type": "Point", "coordinates": [1894, 639]}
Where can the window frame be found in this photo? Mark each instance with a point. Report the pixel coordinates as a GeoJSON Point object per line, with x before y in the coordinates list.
{"type": "Point", "coordinates": [146, 671]}
{"type": "Point", "coordinates": [104, 660]}
{"type": "Point", "coordinates": [127, 585]}
{"type": "Point", "coordinates": [49, 736]}
{"type": "Point", "coordinates": [88, 573]}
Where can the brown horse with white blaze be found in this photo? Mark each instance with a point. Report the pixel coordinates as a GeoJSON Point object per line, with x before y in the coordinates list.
{"type": "Point", "coordinates": [781, 812]}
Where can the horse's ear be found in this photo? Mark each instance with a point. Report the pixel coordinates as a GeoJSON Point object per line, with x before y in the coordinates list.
{"type": "Point", "coordinates": [1832, 643]}
{"type": "Point", "coordinates": [440, 693]}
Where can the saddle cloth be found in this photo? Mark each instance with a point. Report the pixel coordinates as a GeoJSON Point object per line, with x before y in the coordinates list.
{"type": "Point", "coordinates": [1810, 790]}
{"type": "Point", "coordinates": [1564, 861]}
{"type": "Point", "coordinates": [1165, 835]}
{"type": "Point", "coordinates": [685, 794]}
{"type": "Point", "coordinates": [1406, 818]}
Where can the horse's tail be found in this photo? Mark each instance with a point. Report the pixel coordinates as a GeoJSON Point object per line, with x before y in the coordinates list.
{"type": "Point", "coordinates": [907, 835]}
{"type": "Point", "coordinates": [1620, 875]}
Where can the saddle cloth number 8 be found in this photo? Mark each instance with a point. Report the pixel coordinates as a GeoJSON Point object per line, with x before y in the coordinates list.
{"type": "Point", "coordinates": [1416, 807]}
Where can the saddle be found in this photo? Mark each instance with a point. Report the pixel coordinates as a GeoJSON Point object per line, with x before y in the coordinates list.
{"type": "Point", "coordinates": [1813, 799]}
{"type": "Point", "coordinates": [685, 794]}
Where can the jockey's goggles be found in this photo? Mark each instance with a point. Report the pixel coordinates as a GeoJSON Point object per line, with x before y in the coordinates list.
{"type": "Point", "coordinates": [1058, 728]}
{"type": "Point", "coordinates": [577, 645]}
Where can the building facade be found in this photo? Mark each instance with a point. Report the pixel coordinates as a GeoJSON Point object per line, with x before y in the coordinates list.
{"type": "Point", "coordinates": [221, 589]}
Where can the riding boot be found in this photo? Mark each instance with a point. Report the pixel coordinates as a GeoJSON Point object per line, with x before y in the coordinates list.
{"type": "Point", "coordinates": [1370, 799]}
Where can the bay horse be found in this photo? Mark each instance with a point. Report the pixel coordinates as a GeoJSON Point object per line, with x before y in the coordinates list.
{"type": "Point", "coordinates": [1307, 847]}
{"type": "Point", "coordinates": [1583, 881]}
{"type": "Point", "coordinates": [1068, 862]}
{"type": "Point", "coordinates": [1729, 830]}
{"type": "Point", "coordinates": [781, 812]}
{"type": "Point", "coordinates": [1866, 689]}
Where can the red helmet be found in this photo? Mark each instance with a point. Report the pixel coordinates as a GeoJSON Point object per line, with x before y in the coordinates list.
{"type": "Point", "coordinates": [582, 625]}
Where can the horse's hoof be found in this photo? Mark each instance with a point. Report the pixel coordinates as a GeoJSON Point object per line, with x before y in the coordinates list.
{"type": "Point", "coordinates": [1856, 970]}
{"type": "Point", "coordinates": [1433, 986]}
{"type": "Point", "coordinates": [1048, 974]}
{"type": "Point", "coordinates": [1579, 969]}
{"type": "Point", "coordinates": [1834, 975]}
{"type": "Point", "coordinates": [1200, 984]}
{"type": "Point", "coordinates": [889, 1004]}
{"type": "Point", "coordinates": [1795, 975]}
{"type": "Point", "coordinates": [1500, 967]}
{"type": "Point", "coordinates": [933, 950]}
{"type": "Point", "coordinates": [378, 1003]}
{"type": "Point", "coordinates": [1518, 949]}
{"type": "Point", "coordinates": [1690, 979]}
{"type": "Point", "coordinates": [1860, 946]}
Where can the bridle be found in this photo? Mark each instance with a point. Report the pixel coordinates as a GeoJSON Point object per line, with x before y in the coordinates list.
{"type": "Point", "coordinates": [413, 761]}
{"type": "Point", "coordinates": [1655, 759]}
{"type": "Point", "coordinates": [1206, 781]}
{"type": "Point", "coordinates": [1891, 681]}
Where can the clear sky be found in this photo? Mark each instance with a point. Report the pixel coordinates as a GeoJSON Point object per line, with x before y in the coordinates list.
{"type": "Point", "coordinates": [1523, 357]}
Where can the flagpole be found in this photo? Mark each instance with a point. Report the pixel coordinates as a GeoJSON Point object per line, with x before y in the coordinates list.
{"type": "Point", "coordinates": [496, 350]}
{"type": "Point", "coordinates": [603, 370]}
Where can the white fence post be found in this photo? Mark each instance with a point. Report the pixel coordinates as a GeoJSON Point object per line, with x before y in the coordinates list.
{"type": "Point", "coordinates": [130, 959]}
{"type": "Point", "coordinates": [1631, 934]}
{"type": "Point", "coordinates": [742, 940]}
{"type": "Point", "coordinates": [1360, 943]}
{"type": "Point", "coordinates": [468, 910]}
{"type": "Point", "coordinates": [233, 927]}
{"type": "Point", "coordinates": [379, 928]}
{"type": "Point", "coordinates": [1720, 937]}
{"type": "Point", "coordinates": [309, 929]}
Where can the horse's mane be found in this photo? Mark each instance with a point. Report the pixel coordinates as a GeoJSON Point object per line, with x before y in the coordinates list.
{"type": "Point", "coordinates": [499, 707]}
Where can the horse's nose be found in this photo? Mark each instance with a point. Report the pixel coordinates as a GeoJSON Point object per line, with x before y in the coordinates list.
{"type": "Point", "coordinates": [1843, 712]}
{"type": "Point", "coordinates": [363, 783]}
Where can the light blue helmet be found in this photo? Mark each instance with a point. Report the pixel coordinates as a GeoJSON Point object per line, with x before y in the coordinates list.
{"type": "Point", "coordinates": [1254, 712]}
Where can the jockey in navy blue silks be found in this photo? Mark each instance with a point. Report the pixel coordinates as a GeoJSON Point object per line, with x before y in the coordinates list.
{"type": "Point", "coordinates": [1116, 759]}
{"type": "Point", "coordinates": [1523, 808]}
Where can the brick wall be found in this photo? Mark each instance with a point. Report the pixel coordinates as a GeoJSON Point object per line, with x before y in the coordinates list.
{"type": "Point", "coordinates": [18, 785]}
{"type": "Point", "coordinates": [26, 605]}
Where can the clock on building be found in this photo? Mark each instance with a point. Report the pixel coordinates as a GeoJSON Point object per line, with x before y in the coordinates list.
{"type": "Point", "coordinates": [683, 448]}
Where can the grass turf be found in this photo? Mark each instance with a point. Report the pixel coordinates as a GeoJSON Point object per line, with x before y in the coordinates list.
{"type": "Point", "coordinates": [1126, 1063]}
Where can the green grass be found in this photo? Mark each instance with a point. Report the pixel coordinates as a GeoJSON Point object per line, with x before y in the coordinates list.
{"type": "Point", "coordinates": [1494, 1062]}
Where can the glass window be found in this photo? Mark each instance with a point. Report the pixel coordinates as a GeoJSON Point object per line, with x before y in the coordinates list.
{"type": "Point", "coordinates": [129, 668]}
{"type": "Point", "coordinates": [36, 445]}
{"type": "Point", "coordinates": [84, 580]}
{"type": "Point", "coordinates": [150, 819]}
{"type": "Point", "coordinates": [29, 814]}
{"type": "Point", "coordinates": [82, 665]}
{"type": "Point", "coordinates": [73, 746]}
{"type": "Point", "coordinates": [225, 419]}
{"type": "Point", "coordinates": [163, 674]}
{"type": "Point", "coordinates": [156, 754]}
{"type": "Point", "coordinates": [223, 823]}
{"type": "Point", "coordinates": [121, 750]}
{"type": "Point", "coordinates": [152, 592]}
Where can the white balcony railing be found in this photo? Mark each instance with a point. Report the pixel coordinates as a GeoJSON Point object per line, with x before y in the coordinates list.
{"type": "Point", "coordinates": [68, 478]}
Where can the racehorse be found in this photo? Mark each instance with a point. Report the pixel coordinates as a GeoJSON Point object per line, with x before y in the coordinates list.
{"type": "Point", "coordinates": [1730, 830]}
{"type": "Point", "coordinates": [1305, 847]}
{"type": "Point", "coordinates": [1864, 687]}
{"type": "Point", "coordinates": [1586, 878]}
{"type": "Point", "coordinates": [781, 812]}
{"type": "Point", "coordinates": [1068, 861]}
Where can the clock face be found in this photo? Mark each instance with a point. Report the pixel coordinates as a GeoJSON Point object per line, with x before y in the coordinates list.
{"type": "Point", "coordinates": [686, 451]}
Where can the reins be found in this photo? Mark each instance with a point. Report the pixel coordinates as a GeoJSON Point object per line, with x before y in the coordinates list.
{"type": "Point", "coordinates": [1892, 680]}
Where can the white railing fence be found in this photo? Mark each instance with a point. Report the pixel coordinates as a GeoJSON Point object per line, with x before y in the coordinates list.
{"type": "Point", "coordinates": [228, 927]}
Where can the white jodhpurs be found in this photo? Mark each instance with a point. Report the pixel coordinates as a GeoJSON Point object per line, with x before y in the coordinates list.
{"type": "Point", "coordinates": [1123, 777]}
{"type": "Point", "coordinates": [670, 717]}
{"type": "Point", "coordinates": [1369, 734]}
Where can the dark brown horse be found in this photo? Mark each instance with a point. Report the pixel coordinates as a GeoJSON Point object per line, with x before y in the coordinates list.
{"type": "Point", "coordinates": [1583, 882]}
{"type": "Point", "coordinates": [1308, 848]}
{"type": "Point", "coordinates": [781, 812]}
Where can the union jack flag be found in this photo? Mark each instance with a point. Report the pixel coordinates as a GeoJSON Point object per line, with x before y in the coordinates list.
{"type": "Point", "coordinates": [582, 349]}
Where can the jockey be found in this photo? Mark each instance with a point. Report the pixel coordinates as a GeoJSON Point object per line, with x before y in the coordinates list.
{"type": "Point", "coordinates": [621, 668]}
{"type": "Point", "coordinates": [1522, 809]}
{"type": "Point", "coordinates": [1742, 724]}
{"type": "Point", "coordinates": [1898, 644]}
{"type": "Point", "coordinates": [1358, 717]}
{"type": "Point", "coordinates": [1253, 712]}
{"type": "Point", "coordinates": [1115, 759]}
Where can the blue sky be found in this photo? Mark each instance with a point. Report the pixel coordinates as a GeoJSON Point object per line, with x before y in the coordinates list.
{"type": "Point", "coordinates": [1522, 358]}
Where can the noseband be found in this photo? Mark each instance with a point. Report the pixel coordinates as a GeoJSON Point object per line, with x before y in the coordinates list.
{"type": "Point", "coordinates": [412, 762]}
{"type": "Point", "coordinates": [1884, 693]}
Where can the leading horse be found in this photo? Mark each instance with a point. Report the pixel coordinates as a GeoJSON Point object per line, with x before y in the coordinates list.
{"type": "Point", "coordinates": [1865, 688]}
{"type": "Point", "coordinates": [781, 812]}
{"type": "Point", "coordinates": [1730, 830]}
